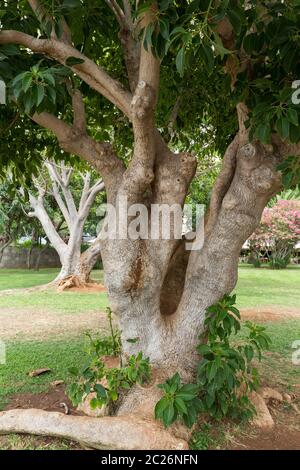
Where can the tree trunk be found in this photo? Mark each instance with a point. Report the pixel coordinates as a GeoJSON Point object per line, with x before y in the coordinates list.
{"type": "Point", "coordinates": [2, 248]}
{"type": "Point", "coordinates": [140, 274]}
{"type": "Point", "coordinates": [79, 265]}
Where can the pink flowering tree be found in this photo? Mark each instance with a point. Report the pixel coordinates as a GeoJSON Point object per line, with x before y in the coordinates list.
{"type": "Point", "coordinates": [277, 234]}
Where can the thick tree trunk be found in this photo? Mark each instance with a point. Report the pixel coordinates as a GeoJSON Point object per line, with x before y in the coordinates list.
{"type": "Point", "coordinates": [139, 274]}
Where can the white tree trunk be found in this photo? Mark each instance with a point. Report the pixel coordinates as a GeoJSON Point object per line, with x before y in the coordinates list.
{"type": "Point", "coordinates": [73, 262]}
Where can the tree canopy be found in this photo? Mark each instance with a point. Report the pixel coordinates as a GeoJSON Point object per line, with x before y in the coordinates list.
{"type": "Point", "coordinates": [214, 55]}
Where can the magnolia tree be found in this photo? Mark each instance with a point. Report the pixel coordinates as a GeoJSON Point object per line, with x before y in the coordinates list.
{"type": "Point", "coordinates": [74, 264]}
{"type": "Point", "coordinates": [233, 85]}
{"type": "Point", "coordinates": [278, 232]}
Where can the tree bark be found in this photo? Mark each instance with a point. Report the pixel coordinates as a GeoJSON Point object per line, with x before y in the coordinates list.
{"type": "Point", "coordinates": [140, 274]}
{"type": "Point", "coordinates": [74, 263]}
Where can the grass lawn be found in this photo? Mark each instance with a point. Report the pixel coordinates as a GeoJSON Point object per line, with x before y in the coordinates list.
{"type": "Point", "coordinates": [64, 302]}
{"type": "Point", "coordinates": [257, 287]}
{"type": "Point", "coordinates": [23, 357]}
{"type": "Point", "coordinates": [23, 278]}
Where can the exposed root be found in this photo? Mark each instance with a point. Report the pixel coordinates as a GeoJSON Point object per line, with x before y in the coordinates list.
{"type": "Point", "coordinates": [68, 282]}
{"type": "Point", "coordinates": [120, 432]}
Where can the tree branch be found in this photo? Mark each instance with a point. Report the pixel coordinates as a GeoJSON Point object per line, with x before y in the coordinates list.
{"type": "Point", "coordinates": [88, 71]}
{"type": "Point", "coordinates": [94, 190]}
{"type": "Point", "coordinates": [56, 193]}
{"type": "Point", "coordinates": [42, 15]}
{"type": "Point", "coordinates": [63, 180]}
{"type": "Point", "coordinates": [118, 12]}
{"type": "Point", "coordinates": [285, 148]}
{"type": "Point", "coordinates": [99, 155]}
{"type": "Point", "coordinates": [128, 13]}
{"type": "Point", "coordinates": [222, 184]}
{"type": "Point", "coordinates": [79, 121]}
{"type": "Point", "coordinates": [40, 212]}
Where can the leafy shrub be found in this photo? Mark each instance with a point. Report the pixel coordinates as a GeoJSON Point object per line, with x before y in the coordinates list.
{"type": "Point", "coordinates": [136, 369]}
{"type": "Point", "coordinates": [225, 374]}
{"type": "Point", "coordinates": [255, 261]}
{"type": "Point", "coordinates": [278, 262]}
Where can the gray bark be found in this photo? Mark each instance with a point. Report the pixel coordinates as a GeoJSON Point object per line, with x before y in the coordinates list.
{"type": "Point", "coordinates": [74, 263]}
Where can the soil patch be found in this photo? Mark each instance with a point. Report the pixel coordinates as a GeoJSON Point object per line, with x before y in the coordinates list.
{"type": "Point", "coordinates": [40, 324]}
{"type": "Point", "coordinates": [281, 438]}
{"type": "Point", "coordinates": [91, 288]}
{"type": "Point", "coordinates": [48, 401]}
{"type": "Point", "coordinates": [270, 313]}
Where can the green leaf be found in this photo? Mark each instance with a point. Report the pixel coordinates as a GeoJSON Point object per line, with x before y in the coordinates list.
{"type": "Point", "coordinates": [26, 82]}
{"type": "Point", "coordinates": [132, 340]}
{"type": "Point", "coordinates": [209, 56]}
{"type": "Point", "coordinates": [180, 61]}
{"type": "Point", "coordinates": [48, 77]}
{"type": "Point", "coordinates": [203, 349]}
{"type": "Point", "coordinates": [263, 132]}
{"type": "Point", "coordinates": [93, 403]}
{"type": "Point", "coordinates": [71, 3]}
{"type": "Point", "coordinates": [292, 116]}
{"type": "Point", "coordinates": [40, 94]}
{"type": "Point", "coordinates": [180, 405]}
{"type": "Point", "coordinates": [169, 414]}
{"type": "Point", "coordinates": [100, 390]}
{"type": "Point", "coordinates": [52, 94]}
{"type": "Point", "coordinates": [283, 127]}
{"type": "Point", "coordinates": [71, 61]}
{"type": "Point", "coordinates": [236, 21]}
{"type": "Point", "coordinates": [148, 36]}
{"type": "Point", "coordinates": [213, 371]}
{"type": "Point", "coordinates": [160, 407]}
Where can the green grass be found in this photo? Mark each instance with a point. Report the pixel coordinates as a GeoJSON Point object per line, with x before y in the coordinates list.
{"type": "Point", "coordinates": [257, 287]}
{"type": "Point", "coordinates": [24, 357]}
{"type": "Point", "coordinates": [277, 366]}
{"type": "Point", "coordinates": [17, 278]}
{"type": "Point", "coordinates": [63, 302]}
{"type": "Point", "coordinates": [23, 442]}
{"type": "Point", "coordinates": [23, 278]}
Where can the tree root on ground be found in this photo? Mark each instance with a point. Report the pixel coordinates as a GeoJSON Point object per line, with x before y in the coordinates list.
{"type": "Point", "coordinates": [120, 432]}
{"type": "Point", "coordinates": [68, 282]}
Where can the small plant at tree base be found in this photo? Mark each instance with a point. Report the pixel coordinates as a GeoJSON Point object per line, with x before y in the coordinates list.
{"type": "Point", "coordinates": [225, 374]}
{"type": "Point", "coordinates": [179, 401]}
{"type": "Point", "coordinates": [201, 439]}
{"type": "Point", "coordinates": [136, 369]}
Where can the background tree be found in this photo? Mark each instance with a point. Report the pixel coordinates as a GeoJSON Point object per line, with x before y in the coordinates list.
{"type": "Point", "coordinates": [278, 232]}
{"type": "Point", "coordinates": [236, 64]}
{"type": "Point", "coordinates": [14, 223]}
{"type": "Point", "coordinates": [74, 263]}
